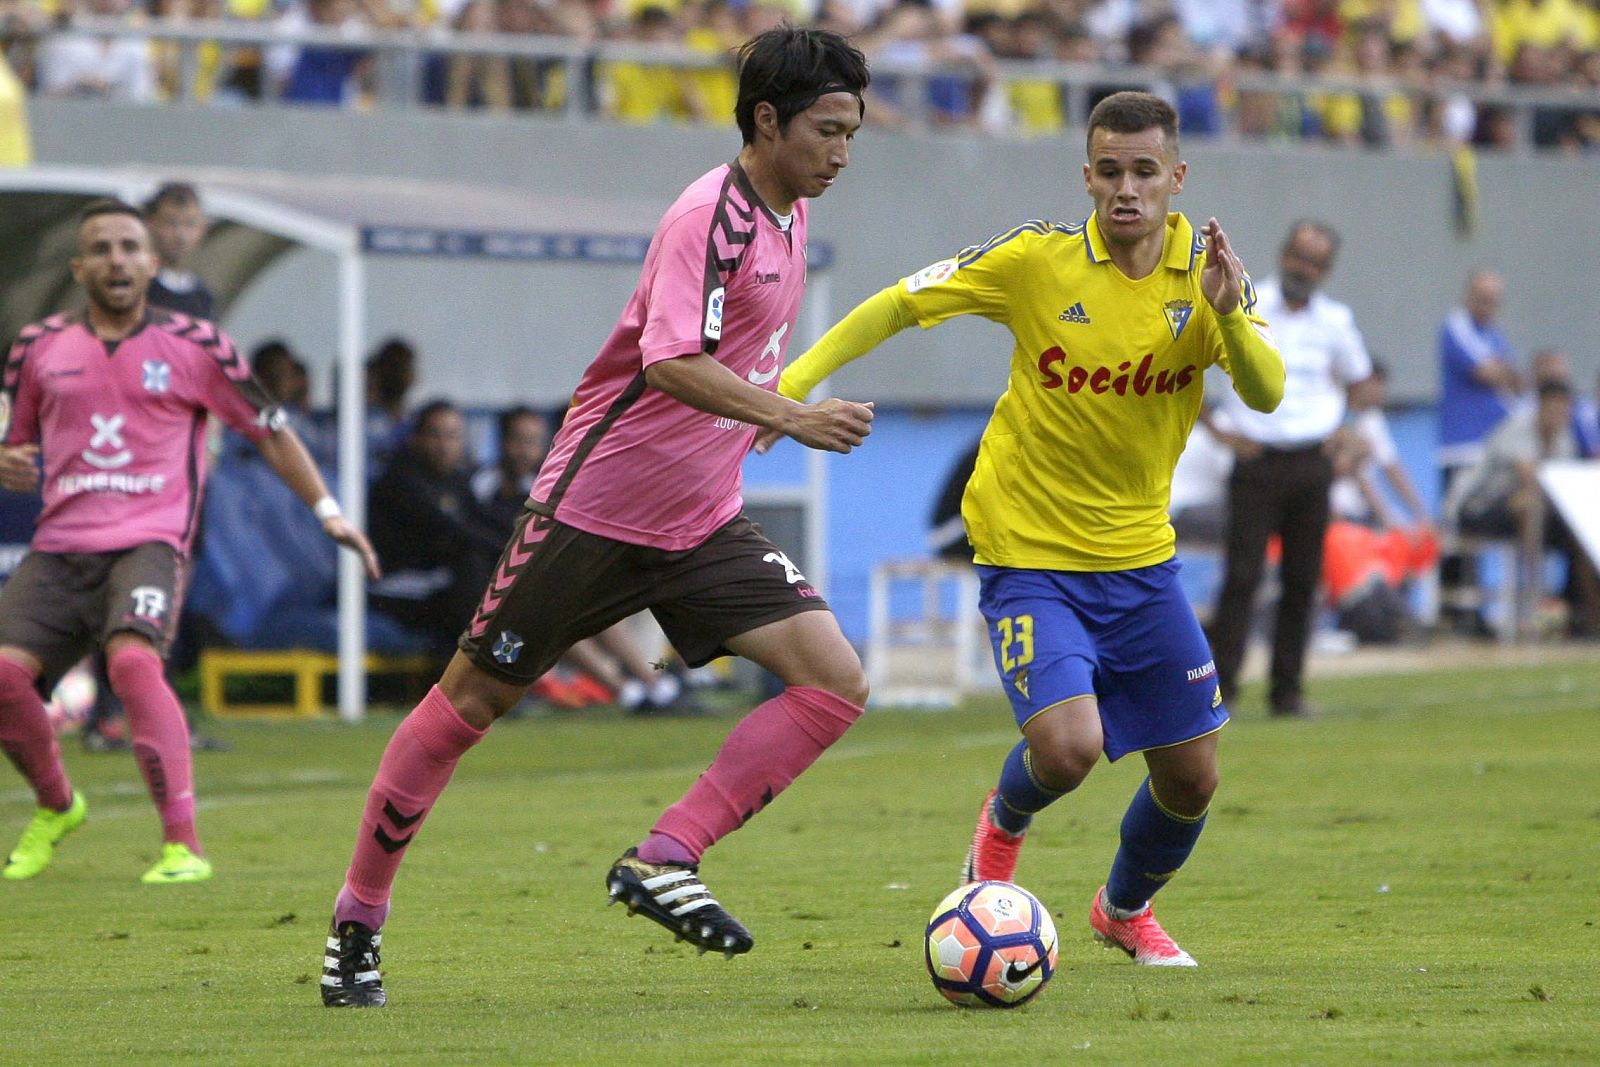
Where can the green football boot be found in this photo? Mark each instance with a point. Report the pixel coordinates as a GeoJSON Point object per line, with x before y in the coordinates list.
{"type": "Point", "coordinates": [39, 840]}
{"type": "Point", "coordinates": [178, 864]}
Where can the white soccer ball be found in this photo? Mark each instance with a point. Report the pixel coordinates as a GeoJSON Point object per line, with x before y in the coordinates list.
{"type": "Point", "coordinates": [73, 699]}
{"type": "Point", "coordinates": [990, 943]}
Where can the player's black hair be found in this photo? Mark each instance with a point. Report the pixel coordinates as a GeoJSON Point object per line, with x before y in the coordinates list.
{"type": "Point", "coordinates": [178, 194]}
{"type": "Point", "coordinates": [107, 206]}
{"type": "Point", "coordinates": [791, 68]}
{"type": "Point", "coordinates": [1134, 112]}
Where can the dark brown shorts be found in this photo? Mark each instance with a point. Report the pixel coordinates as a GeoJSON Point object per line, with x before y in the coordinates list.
{"type": "Point", "coordinates": [556, 585]}
{"type": "Point", "coordinates": [58, 606]}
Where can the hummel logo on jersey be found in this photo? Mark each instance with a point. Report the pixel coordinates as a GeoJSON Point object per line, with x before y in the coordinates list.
{"type": "Point", "coordinates": [1075, 313]}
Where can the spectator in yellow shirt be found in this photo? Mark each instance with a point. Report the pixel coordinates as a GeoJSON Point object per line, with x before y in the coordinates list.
{"type": "Point", "coordinates": [16, 147]}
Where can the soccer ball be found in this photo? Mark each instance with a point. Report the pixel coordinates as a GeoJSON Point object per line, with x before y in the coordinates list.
{"type": "Point", "coordinates": [72, 700]}
{"type": "Point", "coordinates": [990, 943]}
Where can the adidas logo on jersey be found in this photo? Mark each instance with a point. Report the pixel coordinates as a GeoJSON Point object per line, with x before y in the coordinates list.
{"type": "Point", "coordinates": [1075, 313]}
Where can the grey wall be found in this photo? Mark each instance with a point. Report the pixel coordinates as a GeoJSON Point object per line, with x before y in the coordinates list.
{"type": "Point", "coordinates": [904, 202]}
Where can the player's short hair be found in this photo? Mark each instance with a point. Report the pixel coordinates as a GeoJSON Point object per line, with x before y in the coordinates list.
{"type": "Point", "coordinates": [791, 68]}
{"type": "Point", "coordinates": [107, 206]}
{"type": "Point", "coordinates": [1133, 112]}
{"type": "Point", "coordinates": [177, 194]}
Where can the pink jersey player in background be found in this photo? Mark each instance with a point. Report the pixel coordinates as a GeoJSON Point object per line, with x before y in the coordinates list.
{"type": "Point", "coordinates": [115, 401]}
{"type": "Point", "coordinates": [638, 506]}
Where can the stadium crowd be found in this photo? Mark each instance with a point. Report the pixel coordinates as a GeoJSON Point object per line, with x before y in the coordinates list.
{"type": "Point", "coordinates": [1352, 72]}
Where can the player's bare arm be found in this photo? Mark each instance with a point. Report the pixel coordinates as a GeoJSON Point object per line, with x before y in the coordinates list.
{"type": "Point", "coordinates": [287, 455]}
{"type": "Point", "coordinates": [704, 384]}
{"type": "Point", "coordinates": [19, 468]}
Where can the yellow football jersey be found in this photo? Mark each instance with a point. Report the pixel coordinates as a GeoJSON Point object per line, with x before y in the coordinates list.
{"type": "Point", "coordinates": [1075, 468]}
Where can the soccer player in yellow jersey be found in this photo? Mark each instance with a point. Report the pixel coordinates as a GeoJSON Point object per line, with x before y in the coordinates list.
{"type": "Point", "coordinates": [1115, 319]}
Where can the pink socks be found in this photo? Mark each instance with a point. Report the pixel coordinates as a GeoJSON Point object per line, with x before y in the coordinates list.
{"type": "Point", "coordinates": [160, 736]}
{"type": "Point", "coordinates": [759, 759]}
{"type": "Point", "coordinates": [415, 768]}
{"type": "Point", "coordinates": [28, 739]}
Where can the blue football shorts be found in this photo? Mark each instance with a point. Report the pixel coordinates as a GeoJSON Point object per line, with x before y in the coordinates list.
{"type": "Point", "coordinates": [1128, 638]}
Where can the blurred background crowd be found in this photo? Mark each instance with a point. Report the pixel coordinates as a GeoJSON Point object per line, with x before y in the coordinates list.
{"type": "Point", "coordinates": [1489, 73]}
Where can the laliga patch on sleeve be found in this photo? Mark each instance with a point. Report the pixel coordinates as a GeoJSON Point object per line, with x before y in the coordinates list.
{"type": "Point", "coordinates": [931, 275]}
{"type": "Point", "coordinates": [713, 330]}
{"type": "Point", "coordinates": [1266, 333]}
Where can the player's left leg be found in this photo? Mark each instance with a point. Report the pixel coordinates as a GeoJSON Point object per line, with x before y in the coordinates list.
{"type": "Point", "coordinates": [1159, 696]}
{"type": "Point", "coordinates": [143, 590]}
{"type": "Point", "coordinates": [738, 594]}
{"type": "Point", "coordinates": [825, 691]}
{"type": "Point", "coordinates": [1159, 831]}
{"type": "Point", "coordinates": [160, 737]}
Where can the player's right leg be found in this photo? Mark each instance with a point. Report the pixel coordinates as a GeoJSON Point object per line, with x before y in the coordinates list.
{"type": "Point", "coordinates": [1046, 667]}
{"type": "Point", "coordinates": [38, 626]}
{"type": "Point", "coordinates": [513, 638]}
{"type": "Point", "coordinates": [415, 768]}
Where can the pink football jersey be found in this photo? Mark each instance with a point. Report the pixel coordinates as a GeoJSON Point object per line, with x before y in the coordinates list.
{"type": "Point", "coordinates": [122, 427]}
{"type": "Point", "coordinates": [724, 277]}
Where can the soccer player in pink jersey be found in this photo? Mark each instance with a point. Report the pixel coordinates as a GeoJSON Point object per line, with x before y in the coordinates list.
{"type": "Point", "coordinates": [116, 401]}
{"type": "Point", "coordinates": [638, 506]}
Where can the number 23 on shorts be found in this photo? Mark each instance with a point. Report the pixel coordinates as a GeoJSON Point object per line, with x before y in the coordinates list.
{"type": "Point", "coordinates": [1016, 641]}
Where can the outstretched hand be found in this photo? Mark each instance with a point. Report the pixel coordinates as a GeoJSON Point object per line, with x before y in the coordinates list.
{"type": "Point", "coordinates": [339, 528]}
{"type": "Point", "coordinates": [1222, 278]}
{"type": "Point", "coordinates": [19, 468]}
{"type": "Point", "coordinates": [834, 425]}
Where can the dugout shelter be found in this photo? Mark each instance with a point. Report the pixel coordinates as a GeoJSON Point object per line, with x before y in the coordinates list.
{"type": "Point", "coordinates": [361, 225]}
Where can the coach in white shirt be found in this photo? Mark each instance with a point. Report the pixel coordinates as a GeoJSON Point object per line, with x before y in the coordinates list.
{"type": "Point", "coordinates": [1283, 466]}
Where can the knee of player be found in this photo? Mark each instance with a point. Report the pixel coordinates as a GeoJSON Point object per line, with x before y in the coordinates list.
{"type": "Point", "coordinates": [1061, 763]}
{"type": "Point", "coordinates": [1188, 794]}
{"type": "Point", "coordinates": [848, 681]}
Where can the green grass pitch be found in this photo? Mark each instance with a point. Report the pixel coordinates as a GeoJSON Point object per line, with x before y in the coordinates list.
{"type": "Point", "coordinates": [1410, 880]}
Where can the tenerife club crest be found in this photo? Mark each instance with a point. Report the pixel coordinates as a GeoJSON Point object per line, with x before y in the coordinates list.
{"type": "Point", "coordinates": [507, 648]}
{"type": "Point", "coordinates": [1177, 313]}
{"type": "Point", "coordinates": [157, 376]}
